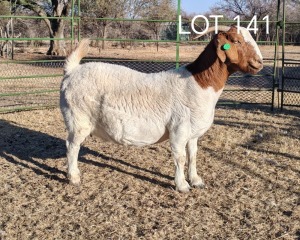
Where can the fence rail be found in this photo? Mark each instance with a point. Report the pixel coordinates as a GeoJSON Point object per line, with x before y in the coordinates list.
{"type": "Point", "coordinates": [31, 79]}
{"type": "Point", "coordinates": [289, 87]}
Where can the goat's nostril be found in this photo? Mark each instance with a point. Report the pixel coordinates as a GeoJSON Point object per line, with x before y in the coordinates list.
{"type": "Point", "coordinates": [259, 60]}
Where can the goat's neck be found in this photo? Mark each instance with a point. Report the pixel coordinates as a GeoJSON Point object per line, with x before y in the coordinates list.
{"type": "Point", "coordinates": [208, 70]}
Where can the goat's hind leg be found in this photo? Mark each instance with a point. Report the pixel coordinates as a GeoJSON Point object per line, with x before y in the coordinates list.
{"type": "Point", "coordinates": [73, 146]}
{"type": "Point", "coordinates": [194, 178]}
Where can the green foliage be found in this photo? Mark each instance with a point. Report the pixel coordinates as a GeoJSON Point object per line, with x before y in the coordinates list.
{"type": "Point", "coordinates": [4, 8]}
{"type": "Point", "coordinates": [103, 8]}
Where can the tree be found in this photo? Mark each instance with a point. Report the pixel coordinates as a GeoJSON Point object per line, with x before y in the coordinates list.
{"type": "Point", "coordinates": [47, 8]}
{"type": "Point", "coordinates": [292, 15]}
{"type": "Point", "coordinates": [60, 8]}
{"type": "Point", "coordinates": [4, 27]}
{"type": "Point", "coordinates": [246, 9]}
{"type": "Point", "coordinates": [158, 10]}
{"type": "Point", "coordinates": [102, 9]}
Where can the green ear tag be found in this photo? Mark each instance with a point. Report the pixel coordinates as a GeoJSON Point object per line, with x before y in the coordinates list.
{"type": "Point", "coordinates": [226, 46]}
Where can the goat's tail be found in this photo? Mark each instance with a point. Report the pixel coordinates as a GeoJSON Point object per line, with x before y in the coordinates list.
{"type": "Point", "coordinates": [74, 58]}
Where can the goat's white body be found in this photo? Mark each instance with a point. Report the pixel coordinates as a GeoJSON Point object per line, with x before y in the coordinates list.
{"type": "Point", "coordinates": [128, 107]}
{"type": "Point", "coordinates": [122, 105]}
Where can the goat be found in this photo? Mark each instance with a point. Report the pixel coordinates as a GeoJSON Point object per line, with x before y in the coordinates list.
{"type": "Point", "coordinates": [128, 107]}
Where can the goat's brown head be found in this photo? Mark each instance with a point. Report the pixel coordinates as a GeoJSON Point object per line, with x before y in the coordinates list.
{"type": "Point", "coordinates": [240, 53]}
{"type": "Point", "coordinates": [243, 54]}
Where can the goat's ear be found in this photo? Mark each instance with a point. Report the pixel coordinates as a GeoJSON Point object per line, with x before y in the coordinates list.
{"type": "Point", "coordinates": [219, 42]}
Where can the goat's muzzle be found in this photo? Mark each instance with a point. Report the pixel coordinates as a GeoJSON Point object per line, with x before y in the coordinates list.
{"type": "Point", "coordinates": [255, 65]}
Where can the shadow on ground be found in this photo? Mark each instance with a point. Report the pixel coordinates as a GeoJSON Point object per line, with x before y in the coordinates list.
{"type": "Point", "coordinates": [30, 149]}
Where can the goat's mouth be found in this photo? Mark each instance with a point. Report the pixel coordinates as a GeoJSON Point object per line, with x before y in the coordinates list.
{"type": "Point", "coordinates": [255, 67]}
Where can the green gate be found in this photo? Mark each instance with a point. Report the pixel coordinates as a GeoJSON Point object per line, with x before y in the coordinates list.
{"type": "Point", "coordinates": [289, 87]}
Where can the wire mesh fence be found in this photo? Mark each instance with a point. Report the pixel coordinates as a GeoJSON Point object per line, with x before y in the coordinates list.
{"type": "Point", "coordinates": [291, 83]}
{"type": "Point", "coordinates": [32, 79]}
{"type": "Point", "coordinates": [36, 84]}
{"type": "Point", "coordinates": [28, 85]}
{"type": "Point", "coordinates": [289, 86]}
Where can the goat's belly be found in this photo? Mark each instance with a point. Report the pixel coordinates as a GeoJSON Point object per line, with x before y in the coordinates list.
{"type": "Point", "coordinates": [131, 132]}
{"type": "Point", "coordinates": [140, 135]}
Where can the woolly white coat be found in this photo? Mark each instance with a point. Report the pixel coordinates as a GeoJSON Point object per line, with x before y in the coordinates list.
{"type": "Point", "coordinates": [122, 105]}
{"type": "Point", "coordinates": [128, 107]}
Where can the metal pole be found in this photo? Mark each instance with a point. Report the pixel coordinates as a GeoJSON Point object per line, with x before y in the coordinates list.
{"type": "Point", "coordinates": [283, 55]}
{"type": "Point", "coordinates": [79, 21]}
{"type": "Point", "coordinates": [12, 33]}
{"type": "Point", "coordinates": [177, 35]}
{"type": "Point", "coordinates": [72, 25]}
{"type": "Point", "coordinates": [275, 84]}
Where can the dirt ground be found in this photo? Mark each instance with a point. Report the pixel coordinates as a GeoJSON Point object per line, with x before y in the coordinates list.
{"type": "Point", "coordinates": [249, 160]}
{"type": "Point", "coordinates": [166, 52]}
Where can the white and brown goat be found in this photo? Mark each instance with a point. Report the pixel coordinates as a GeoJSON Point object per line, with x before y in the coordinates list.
{"type": "Point", "coordinates": [128, 107]}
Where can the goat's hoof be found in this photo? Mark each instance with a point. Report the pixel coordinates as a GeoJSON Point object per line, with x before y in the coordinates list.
{"type": "Point", "coordinates": [184, 188]}
{"type": "Point", "coordinates": [75, 183]}
{"type": "Point", "coordinates": [200, 185]}
{"type": "Point", "coordinates": [74, 179]}
{"type": "Point", "coordinates": [197, 182]}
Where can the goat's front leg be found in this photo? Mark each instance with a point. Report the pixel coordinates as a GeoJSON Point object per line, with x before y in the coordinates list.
{"type": "Point", "coordinates": [195, 180]}
{"type": "Point", "coordinates": [179, 154]}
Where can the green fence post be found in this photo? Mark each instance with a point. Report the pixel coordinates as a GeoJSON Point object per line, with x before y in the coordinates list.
{"type": "Point", "coordinates": [275, 84]}
{"type": "Point", "coordinates": [177, 35]}
{"type": "Point", "coordinates": [283, 55]}
{"type": "Point", "coordinates": [72, 25]}
{"type": "Point", "coordinates": [78, 21]}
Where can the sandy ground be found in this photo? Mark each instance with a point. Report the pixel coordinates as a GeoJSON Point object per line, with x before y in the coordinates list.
{"type": "Point", "coordinates": [186, 52]}
{"type": "Point", "coordinates": [166, 52]}
{"type": "Point", "coordinates": [249, 160]}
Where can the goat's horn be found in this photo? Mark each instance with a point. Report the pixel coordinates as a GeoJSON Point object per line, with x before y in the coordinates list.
{"type": "Point", "coordinates": [211, 29]}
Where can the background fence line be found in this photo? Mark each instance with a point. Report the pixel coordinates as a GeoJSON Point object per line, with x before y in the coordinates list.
{"type": "Point", "coordinates": [32, 81]}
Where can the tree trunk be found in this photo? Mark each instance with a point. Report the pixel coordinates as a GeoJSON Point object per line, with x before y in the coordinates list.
{"type": "Point", "coordinates": [57, 47]}
{"type": "Point", "coordinates": [157, 38]}
{"type": "Point", "coordinates": [257, 35]}
{"type": "Point", "coordinates": [55, 26]}
{"type": "Point", "coordinates": [104, 33]}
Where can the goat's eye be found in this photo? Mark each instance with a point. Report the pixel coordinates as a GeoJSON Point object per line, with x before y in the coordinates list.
{"type": "Point", "coordinates": [236, 42]}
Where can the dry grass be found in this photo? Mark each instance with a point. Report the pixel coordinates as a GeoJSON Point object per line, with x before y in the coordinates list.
{"type": "Point", "coordinates": [166, 52]}
{"type": "Point", "coordinates": [249, 159]}
{"type": "Point", "coordinates": [186, 52]}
